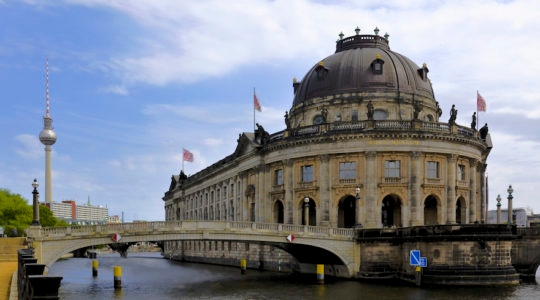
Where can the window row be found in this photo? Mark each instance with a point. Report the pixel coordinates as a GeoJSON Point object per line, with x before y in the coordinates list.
{"type": "Point", "coordinates": [392, 169]}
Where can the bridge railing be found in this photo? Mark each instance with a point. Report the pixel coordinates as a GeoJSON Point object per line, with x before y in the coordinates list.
{"type": "Point", "coordinates": [153, 227]}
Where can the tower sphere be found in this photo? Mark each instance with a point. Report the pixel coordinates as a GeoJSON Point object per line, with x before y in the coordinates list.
{"type": "Point", "coordinates": [47, 137]}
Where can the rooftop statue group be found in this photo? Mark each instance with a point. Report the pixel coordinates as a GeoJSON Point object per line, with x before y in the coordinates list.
{"type": "Point", "coordinates": [261, 135]}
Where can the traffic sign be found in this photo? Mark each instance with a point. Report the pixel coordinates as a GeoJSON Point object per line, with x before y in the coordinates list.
{"type": "Point", "coordinates": [116, 237]}
{"type": "Point", "coordinates": [414, 258]}
{"type": "Point", "coordinates": [290, 238]}
{"type": "Point", "coordinates": [423, 262]}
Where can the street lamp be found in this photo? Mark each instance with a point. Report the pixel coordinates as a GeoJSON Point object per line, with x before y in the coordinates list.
{"type": "Point", "coordinates": [510, 190]}
{"type": "Point", "coordinates": [35, 204]}
{"type": "Point", "coordinates": [306, 210]}
{"type": "Point", "coordinates": [357, 212]}
{"type": "Point", "coordinates": [499, 209]}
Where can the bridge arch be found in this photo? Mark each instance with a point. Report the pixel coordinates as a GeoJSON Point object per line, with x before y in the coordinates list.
{"type": "Point", "coordinates": [311, 245]}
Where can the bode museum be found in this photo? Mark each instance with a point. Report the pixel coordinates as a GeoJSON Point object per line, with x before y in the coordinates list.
{"type": "Point", "coordinates": [363, 145]}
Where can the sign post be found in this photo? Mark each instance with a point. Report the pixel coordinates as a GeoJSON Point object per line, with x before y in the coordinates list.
{"type": "Point", "coordinates": [420, 262]}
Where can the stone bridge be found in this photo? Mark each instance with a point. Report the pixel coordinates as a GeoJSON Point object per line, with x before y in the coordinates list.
{"type": "Point", "coordinates": [312, 244]}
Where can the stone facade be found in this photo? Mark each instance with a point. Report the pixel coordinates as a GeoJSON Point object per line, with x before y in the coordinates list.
{"type": "Point", "coordinates": [363, 146]}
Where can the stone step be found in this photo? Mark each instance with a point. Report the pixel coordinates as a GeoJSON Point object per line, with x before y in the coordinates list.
{"type": "Point", "coordinates": [9, 247]}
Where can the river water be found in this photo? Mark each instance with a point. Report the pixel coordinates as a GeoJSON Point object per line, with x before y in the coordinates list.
{"type": "Point", "coordinates": [149, 276]}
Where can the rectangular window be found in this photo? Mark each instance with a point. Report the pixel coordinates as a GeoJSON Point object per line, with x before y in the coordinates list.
{"type": "Point", "coordinates": [347, 170]}
{"type": "Point", "coordinates": [278, 177]}
{"type": "Point", "coordinates": [354, 116]}
{"type": "Point", "coordinates": [433, 169]}
{"type": "Point", "coordinates": [392, 169]}
{"type": "Point", "coordinates": [307, 173]}
{"type": "Point", "coordinates": [461, 172]}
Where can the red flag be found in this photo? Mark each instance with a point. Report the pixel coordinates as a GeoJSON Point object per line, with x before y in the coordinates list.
{"type": "Point", "coordinates": [188, 156]}
{"type": "Point", "coordinates": [480, 102]}
{"type": "Point", "coordinates": [256, 103]}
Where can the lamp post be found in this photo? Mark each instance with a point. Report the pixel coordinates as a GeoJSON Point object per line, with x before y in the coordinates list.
{"type": "Point", "coordinates": [499, 209]}
{"type": "Point", "coordinates": [510, 190]}
{"type": "Point", "coordinates": [306, 210]}
{"type": "Point", "coordinates": [35, 203]}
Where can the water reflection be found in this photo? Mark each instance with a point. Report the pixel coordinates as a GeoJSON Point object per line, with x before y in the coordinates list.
{"type": "Point", "coordinates": [147, 276]}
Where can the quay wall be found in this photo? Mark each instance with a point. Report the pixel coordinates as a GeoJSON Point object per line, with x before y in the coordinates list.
{"type": "Point", "coordinates": [229, 253]}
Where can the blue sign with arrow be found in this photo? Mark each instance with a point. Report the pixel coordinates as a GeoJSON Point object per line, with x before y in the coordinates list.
{"type": "Point", "coordinates": [416, 260]}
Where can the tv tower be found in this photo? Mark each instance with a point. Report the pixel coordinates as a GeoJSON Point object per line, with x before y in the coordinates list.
{"type": "Point", "coordinates": [47, 138]}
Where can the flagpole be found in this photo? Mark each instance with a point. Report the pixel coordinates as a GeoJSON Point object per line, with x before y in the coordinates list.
{"type": "Point", "coordinates": [477, 115]}
{"type": "Point", "coordinates": [254, 109]}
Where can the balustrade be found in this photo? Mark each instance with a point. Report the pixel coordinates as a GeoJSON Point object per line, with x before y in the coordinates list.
{"type": "Point", "coordinates": [128, 229]}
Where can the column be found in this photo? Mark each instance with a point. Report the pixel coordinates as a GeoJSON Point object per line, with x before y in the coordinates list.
{"type": "Point", "coordinates": [416, 216]}
{"type": "Point", "coordinates": [451, 190]}
{"type": "Point", "coordinates": [372, 209]}
{"type": "Point", "coordinates": [473, 199]}
{"type": "Point", "coordinates": [245, 199]}
{"type": "Point", "coordinates": [260, 204]}
{"type": "Point", "coordinates": [325, 200]}
{"type": "Point", "coordinates": [288, 185]}
{"type": "Point", "coordinates": [483, 193]}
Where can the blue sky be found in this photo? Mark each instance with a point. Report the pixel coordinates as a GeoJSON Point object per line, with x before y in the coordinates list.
{"type": "Point", "coordinates": [133, 82]}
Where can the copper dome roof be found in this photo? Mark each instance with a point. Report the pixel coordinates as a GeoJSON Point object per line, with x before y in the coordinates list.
{"type": "Point", "coordinates": [350, 70]}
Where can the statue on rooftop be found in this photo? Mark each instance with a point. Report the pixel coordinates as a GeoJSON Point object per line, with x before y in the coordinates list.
{"type": "Point", "coordinates": [287, 120]}
{"type": "Point", "coordinates": [473, 123]}
{"type": "Point", "coordinates": [483, 131]}
{"type": "Point", "coordinates": [453, 115]}
{"type": "Point", "coordinates": [261, 135]}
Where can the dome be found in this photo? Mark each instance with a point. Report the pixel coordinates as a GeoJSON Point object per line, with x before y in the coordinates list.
{"type": "Point", "coordinates": [363, 69]}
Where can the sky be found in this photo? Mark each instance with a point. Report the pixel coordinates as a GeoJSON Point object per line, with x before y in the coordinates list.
{"type": "Point", "coordinates": [132, 83]}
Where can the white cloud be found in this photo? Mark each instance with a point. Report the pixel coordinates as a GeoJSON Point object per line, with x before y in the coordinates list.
{"type": "Point", "coordinates": [116, 89]}
{"type": "Point", "coordinates": [30, 146]}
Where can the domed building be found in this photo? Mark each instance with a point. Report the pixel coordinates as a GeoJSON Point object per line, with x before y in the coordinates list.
{"type": "Point", "coordinates": [363, 145]}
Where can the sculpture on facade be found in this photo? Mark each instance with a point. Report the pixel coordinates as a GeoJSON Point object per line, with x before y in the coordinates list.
{"type": "Point", "coordinates": [370, 110]}
{"type": "Point", "coordinates": [417, 109]}
{"type": "Point", "coordinates": [324, 113]}
{"type": "Point", "coordinates": [439, 110]}
{"type": "Point", "coordinates": [473, 123]}
{"type": "Point", "coordinates": [287, 120]}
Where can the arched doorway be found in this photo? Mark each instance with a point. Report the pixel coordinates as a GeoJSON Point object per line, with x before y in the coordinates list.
{"type": "Point", "coordinates": [391, 211]}
{"type": "Point", "coordinates": [430, 211]}
{"type": "Point", "coordinates": [461, 211]}
{"type": "Point", "coordinates": [312, 212]}
{"type": "Point", "coordinates": [347, 212]}
{"type": "Point", "coordinates": [278, 212]}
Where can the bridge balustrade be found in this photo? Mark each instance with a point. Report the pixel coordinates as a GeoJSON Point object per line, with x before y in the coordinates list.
{"type": "Point", "coordinates": [149, 227]}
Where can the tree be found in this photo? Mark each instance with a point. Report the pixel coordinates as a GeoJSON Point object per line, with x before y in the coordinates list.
{"type": "Point", "coordinates": [47, 219]}
{"type": "Point", "coordinates": [15, 213]}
